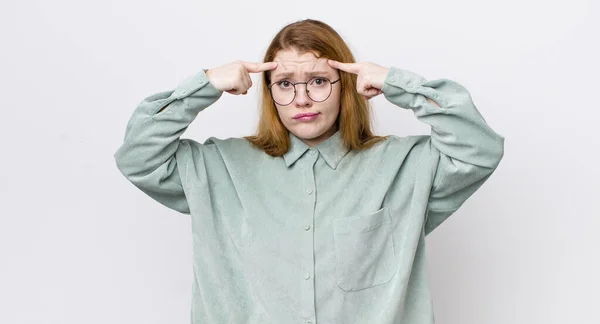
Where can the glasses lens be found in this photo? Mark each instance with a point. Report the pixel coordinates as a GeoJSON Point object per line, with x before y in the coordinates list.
{"type": "Point", "coordinates": [318, 90]}
{"type": "Point", "coordinates": [283, 92]}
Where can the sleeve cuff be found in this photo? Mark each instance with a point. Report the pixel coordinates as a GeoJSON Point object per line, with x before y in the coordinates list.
{"type": "Point", "coordinates": [399, 80]}
{"type": "Point", "coordinates": [194, 83]}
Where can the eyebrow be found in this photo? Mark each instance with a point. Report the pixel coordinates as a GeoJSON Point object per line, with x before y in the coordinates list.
{"type": "Point", "coordinates": [287, 74]}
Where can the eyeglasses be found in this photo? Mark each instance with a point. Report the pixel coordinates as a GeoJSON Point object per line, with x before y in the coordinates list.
{"type": "Point", "coordinates": [318, 89]}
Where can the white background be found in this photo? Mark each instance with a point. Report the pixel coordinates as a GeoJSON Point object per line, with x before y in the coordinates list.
{"type": "Point", "coordinates": [80, 244]}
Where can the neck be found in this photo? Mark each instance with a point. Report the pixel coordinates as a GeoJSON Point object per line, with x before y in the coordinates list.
{"type": "Point", "coordinates": [315, 141]}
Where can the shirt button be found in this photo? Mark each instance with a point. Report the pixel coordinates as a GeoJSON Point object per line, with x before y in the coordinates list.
{"type": "Point", "coordinates": [409, 84]}
{"type": "Point", "coordinates": [309, 322]}
{"type": "Point", "coordinates": [309, 191]}
{"type": "Point", "coordinates": [307, 227]}
{"type": "Point", "coordinates": [183, 92]}
{"type": "Point", "coordinates": [313, 152]}
{"type": "Point", "coordinates": [306, 275]}
{"type": "Point", "coordinates": [392, 79]}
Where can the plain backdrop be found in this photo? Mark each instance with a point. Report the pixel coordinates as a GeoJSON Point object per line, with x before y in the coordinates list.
{"type": "Point", "coordinates": [80, 244]}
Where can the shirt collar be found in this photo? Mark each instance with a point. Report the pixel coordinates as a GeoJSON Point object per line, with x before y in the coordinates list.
{"type": "Point", "coordinates": [332, 149]}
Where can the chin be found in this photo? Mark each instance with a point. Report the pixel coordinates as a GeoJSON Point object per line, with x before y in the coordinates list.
{"type": "Point", "coordinates": [310, 133]}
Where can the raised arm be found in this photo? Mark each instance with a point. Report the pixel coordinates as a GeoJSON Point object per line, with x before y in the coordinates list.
{"type": "Point", "coordinates": [469, 150]}
{"type": "Point", "coordinates": [148, 155]}
{"type": "Point", "coordinates": [152, 151]}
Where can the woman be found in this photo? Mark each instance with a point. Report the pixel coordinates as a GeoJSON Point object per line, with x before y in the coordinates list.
{"type": "Point", "coordinates": [314, 219]}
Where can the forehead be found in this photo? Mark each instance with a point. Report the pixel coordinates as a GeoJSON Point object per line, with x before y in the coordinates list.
{"type": "Point", "coordinates": [295, 63]}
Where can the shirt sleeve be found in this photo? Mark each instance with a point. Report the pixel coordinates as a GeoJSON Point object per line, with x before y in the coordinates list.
{"type": "Point", "coordinates": [468, 149]}
{"type": "Point", "coordinates": [148, 156]}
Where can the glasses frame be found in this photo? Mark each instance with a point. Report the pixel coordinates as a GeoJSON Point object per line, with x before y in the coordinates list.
{"type": "Point", "coordinates": [331, 83]}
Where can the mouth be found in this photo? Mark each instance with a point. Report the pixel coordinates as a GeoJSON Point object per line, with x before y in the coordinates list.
{"type": "Point", "coordinates": [306, 116]}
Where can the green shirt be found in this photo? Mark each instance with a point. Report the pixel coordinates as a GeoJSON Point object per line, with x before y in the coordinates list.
{"type": "Point", "coordinates": [321, 235]}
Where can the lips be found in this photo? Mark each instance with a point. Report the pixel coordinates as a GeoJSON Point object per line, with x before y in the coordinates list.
{"type": "Point", "coordinates": [305, 115]}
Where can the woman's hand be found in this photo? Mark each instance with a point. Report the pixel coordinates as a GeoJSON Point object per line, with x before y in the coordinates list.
{"type": "Point", "coordinates": [370, 76]}
{"type": "Point", "coordinates": [234, 78]}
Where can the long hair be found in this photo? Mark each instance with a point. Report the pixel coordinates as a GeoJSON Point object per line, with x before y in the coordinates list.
{"type": "Point", "coordinates": [353, 121]}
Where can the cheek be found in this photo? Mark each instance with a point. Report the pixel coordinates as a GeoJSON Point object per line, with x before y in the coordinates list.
{"type": "Point", "coordinates": [280, 112]}
{"type": "Point", "coordinates": [283, 116]}
{"type": "Point", "coordinates": [332, 110]}
{"type": "Point", "coordinates": [336, 97]}
{"type": "Point", "coordinates": [335, 103]}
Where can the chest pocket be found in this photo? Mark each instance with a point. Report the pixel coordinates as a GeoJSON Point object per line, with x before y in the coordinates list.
{"type": "Point", "coordinates": [364, 250]}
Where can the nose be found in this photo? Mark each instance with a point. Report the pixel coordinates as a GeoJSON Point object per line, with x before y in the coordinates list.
{"type": "Point", "coordinates": [302, 98]}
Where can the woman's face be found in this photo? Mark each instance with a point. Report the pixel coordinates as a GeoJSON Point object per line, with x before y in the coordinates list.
{"type": "Point", "coordinates": [299, 66]}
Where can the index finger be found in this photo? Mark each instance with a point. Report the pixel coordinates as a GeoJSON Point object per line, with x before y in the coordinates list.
{"type": "Point", "coordinates": [259, 67]}
{"type": "Point", "coordinates": [346, 67]}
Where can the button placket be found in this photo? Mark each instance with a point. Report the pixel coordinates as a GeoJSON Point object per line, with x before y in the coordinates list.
{"type": "Point", "coordinates": [307, 221]}
{"type": "Point", "coordinates": [312, 152]}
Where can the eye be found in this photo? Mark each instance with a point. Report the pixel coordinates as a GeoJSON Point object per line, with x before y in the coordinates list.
{"type": "Point", "coordinates": [319, 81]}
{"type": "Point", "coordinates": [284, 84]}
